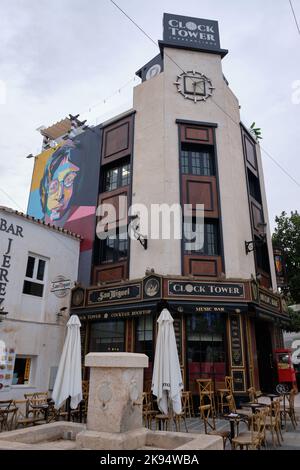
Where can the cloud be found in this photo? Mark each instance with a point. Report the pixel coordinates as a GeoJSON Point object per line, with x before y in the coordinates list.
{"type": "Point", "coordinates": [60, 56]}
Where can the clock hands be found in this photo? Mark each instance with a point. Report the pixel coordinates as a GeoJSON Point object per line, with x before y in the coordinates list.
{"type": "Point", "coordinates": [194, 86]}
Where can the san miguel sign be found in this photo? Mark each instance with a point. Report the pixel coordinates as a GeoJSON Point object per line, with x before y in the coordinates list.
{"type": "Point", "coordinates": [193, 32]}
{"type": "Point", "coordinates": [128, 292]}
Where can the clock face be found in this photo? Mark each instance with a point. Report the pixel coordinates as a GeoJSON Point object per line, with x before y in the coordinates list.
{"type": "Point", "coordinates": [194, 86]}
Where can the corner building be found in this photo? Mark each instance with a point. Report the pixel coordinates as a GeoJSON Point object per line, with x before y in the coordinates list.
{"type": "Point", "coordinates": [183, 142]}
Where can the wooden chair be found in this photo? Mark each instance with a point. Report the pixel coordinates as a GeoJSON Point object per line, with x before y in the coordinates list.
{"type": "Point", "coordinates": [256, 437]}
{"type": "Point", "coordinates": [222, 392]}
{"type": "Point", "coordinates": [82, 408]}
{"type": "Point", "coordinates": [189, 403]}
{"type": "Point", "coordinates": [288, 410]}
{"type": "Point", "coordinates": [182, 416]}
{"type": "Point", "coordinates": [245, 415]}
{"type": "Point", "coordinates": [7, 415]}
{"type": "Point", "coordinates": [162, 422]}
{"type": "Point", "coordinates": [253, 394]}
{"type": "Point", "coordinates": [273, 422]}
{"type": "Point", "coordinates": [148, 411]}
{"type": "Point", "coordinates": [209, 422]}
{"type": "Point", "coordinates": [37, 404]}
{"type": "Point", "coordinates": [206, 393]}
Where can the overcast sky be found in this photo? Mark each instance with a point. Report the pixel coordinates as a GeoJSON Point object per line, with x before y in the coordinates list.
{"type": "Point", "coordinates": [66, 56]}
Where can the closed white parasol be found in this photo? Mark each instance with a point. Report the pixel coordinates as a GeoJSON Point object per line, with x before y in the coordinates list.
{"type": "Point", "coordinates": [167, 380]}
{"type": "Point", "coordinates": [68, 381]}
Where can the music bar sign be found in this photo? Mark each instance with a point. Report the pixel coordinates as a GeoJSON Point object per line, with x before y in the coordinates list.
{"type": "Point", "coordinates": [195, 32]}
{"type": "Point", "coordinates": [205, 289]}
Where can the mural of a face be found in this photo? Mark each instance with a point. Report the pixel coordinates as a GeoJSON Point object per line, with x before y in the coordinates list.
{"type": "Point", "coordinates": [57, 185]}
{"type": "Point", "coordinates": [61, 190]}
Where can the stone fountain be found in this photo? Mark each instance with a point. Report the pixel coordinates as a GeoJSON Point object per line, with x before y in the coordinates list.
{"type": "Point", "coordinates": [114, 420]}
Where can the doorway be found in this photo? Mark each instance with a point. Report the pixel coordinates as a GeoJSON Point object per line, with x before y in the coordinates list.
{"type": "Point", "coordinates": [266, 366]}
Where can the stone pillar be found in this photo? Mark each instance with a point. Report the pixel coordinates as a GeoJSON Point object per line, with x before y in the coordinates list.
{"type": "Point", "coordinates": [115, 391]}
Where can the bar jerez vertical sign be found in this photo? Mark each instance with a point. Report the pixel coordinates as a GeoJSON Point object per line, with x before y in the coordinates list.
{"type": "Point", "coordinates": [196, 33]}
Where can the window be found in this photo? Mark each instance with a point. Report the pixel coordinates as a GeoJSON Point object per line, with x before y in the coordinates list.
{"type": "Point", "coordinates": [196, 160]}
{"type": "Point", "coordinates": [34, 276]}
{"type": "Point", "coordinates": [262, 255]}
{"type": "Point", "coordinates": [211, 238]}
{"type": "Point", "coordinates": [107, 336]}
{"type": "Point", "coordinates": [114, 248]}
{"type": "Point", "coordinates": [144, 336]}
{"type": "Point", "coordinates": [22, 370]}
{"type": "Point", "coordinates": [116, 177]}
{"type": "Point", "coordinates": [254, 186]}
{"type": "Point", "coordinates": [206, 347]}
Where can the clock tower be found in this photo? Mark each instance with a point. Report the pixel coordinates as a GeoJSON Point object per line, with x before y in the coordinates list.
{"type": "Point", "coordinates": [183, 143]}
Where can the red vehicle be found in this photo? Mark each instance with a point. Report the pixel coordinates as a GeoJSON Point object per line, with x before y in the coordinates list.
{"type": "Point", "coordinates": [285, 370]}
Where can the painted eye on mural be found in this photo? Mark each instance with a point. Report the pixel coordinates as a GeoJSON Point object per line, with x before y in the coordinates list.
{"type": "Point", "coordinates": [53, 187]}
{"type": "Point", "coordinates": [69, 179]}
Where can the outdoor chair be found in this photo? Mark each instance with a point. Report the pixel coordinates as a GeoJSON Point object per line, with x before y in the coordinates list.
{"type": "Point", "coordinates": [148, 412]}
{"type": "Point", "coordinates": [178, 417]}
{"type": "Point", "coordinates": [244, 414]}
{"type": "Point", "coordinates": [222, 392]}
{"type": "Point", "coordinates": [253, 394]}
{"type": "Point", "coordinates": [273, 422]}
{"type": "Point", "coordinates": [7, 415]}
{"type": "Point", "coordinates": [162, 422]}
{"type": "Point", "coordinates": [206, 393]}
{"type": "Point", "coordinates": [256, 437]}
{"type": "Point", "coordinates": [38, 406]}
{"type": "Point", "coordinates": [189, 403]}
{"type": "Point", "coordinates": [288, 409]}
{"type": "Point", "coordinates": [209, 423]}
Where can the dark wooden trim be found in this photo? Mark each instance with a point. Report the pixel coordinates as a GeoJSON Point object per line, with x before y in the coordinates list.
{"type": "Point", "coordinates": [221, 238]}
{"type": "Point", "coordinates": [206, 140]}
{"type": "Point", "coordinates": [250, 199]}
{"type": "Point", "coordinates": [130, 190]}
{"type": "Point", "coordinates": [196, 123]}
{"type": "Point", "coordinates": [213, 210]}
{"type": "Point", "coordinates": [163, 44]}
{"type": "Point", "coordinates": [180, 194]}
{"type": "Point", "coordinates": [215, 261]}
{"type": "Point", "coordinates": [122, 265]}
{"type": "Point", "coordinates": [125, 149]}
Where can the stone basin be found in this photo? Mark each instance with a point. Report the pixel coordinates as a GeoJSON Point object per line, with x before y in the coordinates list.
{"type": "Point", "coordinates": [73, 436]}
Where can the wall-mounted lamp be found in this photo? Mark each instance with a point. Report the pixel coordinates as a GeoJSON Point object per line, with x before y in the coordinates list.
{"type": "Point", "coordinates": [2, 314]}
{"type": "Point", "coordinates": [137, 235]}
{"type": "Point", "coordinates": [252, 244]}
{"type": "Point", "coordinates": [61, 312]}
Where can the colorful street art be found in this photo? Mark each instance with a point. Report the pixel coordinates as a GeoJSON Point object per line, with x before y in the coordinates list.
{"type": "Point", "coordinates": [64, 189]}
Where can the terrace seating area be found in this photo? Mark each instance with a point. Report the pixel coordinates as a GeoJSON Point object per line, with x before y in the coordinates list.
{"type": "Point", "coordinates": [261, 423]}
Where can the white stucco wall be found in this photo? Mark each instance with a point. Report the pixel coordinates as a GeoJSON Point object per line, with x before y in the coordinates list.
{"type": "Point", "coordinates": [156, 160]}
{"type": "Point", "coordinates": [31, 326]}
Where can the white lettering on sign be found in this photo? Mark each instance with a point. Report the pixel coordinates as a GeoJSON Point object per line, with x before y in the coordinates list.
{"type": "Point", "coordinates": [4, 270]}
{"type": "Point", "coordinates": [296, 353]}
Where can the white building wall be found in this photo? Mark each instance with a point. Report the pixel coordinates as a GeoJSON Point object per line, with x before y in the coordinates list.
{"type": "Point", "coordinates": [156, 160]}
{"type": "Point", "coordinates": [31, 326]}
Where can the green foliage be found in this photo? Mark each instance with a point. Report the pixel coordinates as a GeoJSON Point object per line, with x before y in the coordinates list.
{"type": "Point", "coordinates": [256, 131]}
{"type": "Point", "coordinates": [287, 237]}
{"type": "Point", "coordinates": [294, 326]}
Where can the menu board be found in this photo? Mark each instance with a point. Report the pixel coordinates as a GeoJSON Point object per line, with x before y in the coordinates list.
{"type": "Point", "coordinates": [236, 341]}
{"type": "Point", "coordinates": [177, 329]}
{"type": "Point", "coordinates": [238, 380]}
{"type": "Point", "coordinates": [7, 363]}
